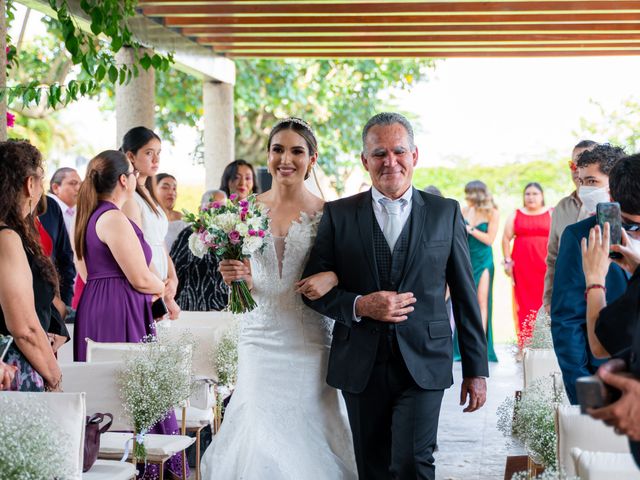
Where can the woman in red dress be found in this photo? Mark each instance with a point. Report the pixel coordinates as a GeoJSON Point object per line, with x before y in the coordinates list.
{"type": "Point", "coordinates": [528, 227]}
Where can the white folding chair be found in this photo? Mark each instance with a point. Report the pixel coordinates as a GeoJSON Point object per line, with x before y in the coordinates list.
{"type": "Point", "coordinates": [574, 429]}
{"type": "Point", "coordinates": [202, 319]}
{"type": "Point", "coordinates": [99, 381]}
{"type": "Point", "coordinates": [604, 465]}
{"type": "Point", "coordinates": [65, 352]}
{"type": "Point", "coordinates": [538, 362]}
{"type": "Point", "coordinates": [68, 412]}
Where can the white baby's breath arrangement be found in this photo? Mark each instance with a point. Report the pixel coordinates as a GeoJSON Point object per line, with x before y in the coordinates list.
{"type": "Point", "coordinates": [225, 360]}
{"type": "Point", "coordinates": [31, 446]}
{"type": "Point", "coordinates": [541, 335]}
{"type": "Point", "coordinates": [530, 419]}
{"type": "Point", "coordinates": [548, 474]}
{"type": "Point", "coordinates": [155, 380]}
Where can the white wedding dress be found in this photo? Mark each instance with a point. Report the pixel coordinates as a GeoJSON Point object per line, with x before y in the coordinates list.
{"type": "Point", "coordinates": [283, 420]}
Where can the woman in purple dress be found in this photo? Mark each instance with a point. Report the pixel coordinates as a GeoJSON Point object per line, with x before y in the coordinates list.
{"type": "Point", "coordinates": [113, 258]}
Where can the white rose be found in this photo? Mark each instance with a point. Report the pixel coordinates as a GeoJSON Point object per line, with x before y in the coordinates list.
{"type": "Point", "coordinates": [243, 229]}
{"type": "Point", "coordinates": [251, 244]}
{"type": "Point", "coordinates": [255, 222]}
{"type": "Point", "coordinates": [197, 247]}
{"type": "Point", "coordinates": [226, 221]}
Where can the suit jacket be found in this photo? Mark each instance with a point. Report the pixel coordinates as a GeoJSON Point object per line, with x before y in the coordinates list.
{"type": "Point", "coordinates": [62, 255]}
{"type": "Point", "coordinates": [569, 308]}
{"type": "Point", "coordinates": [438, 255]}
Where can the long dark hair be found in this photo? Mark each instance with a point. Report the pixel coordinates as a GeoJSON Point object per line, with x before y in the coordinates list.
{"type": "Point", "coordinates": [302, 128]}
{"type": "Point", "coordinates": [134, 140]}
{"type": "Point", "coordinates": [103, 173]}
{"type": "Point", "coordinates": [230, 172]}
{"type": "Point", "coordinates": [20, 160]}
{"type": "Point", "coordinates": [535, 185]}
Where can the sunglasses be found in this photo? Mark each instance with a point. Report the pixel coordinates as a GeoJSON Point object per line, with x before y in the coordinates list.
{"type": "Point", "coordinates": [573, 166]}
{"type": "Point", "coordinates": [631, 227]}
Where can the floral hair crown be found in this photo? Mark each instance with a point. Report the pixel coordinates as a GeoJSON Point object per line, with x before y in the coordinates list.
{"type": "Point", "coordinates": [295, 120]}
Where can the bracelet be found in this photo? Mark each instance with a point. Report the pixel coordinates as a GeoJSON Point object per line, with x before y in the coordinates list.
{"type": "Point", "coordinates": [593, 286]}
{"type": "Point", "coordinates": [507, 261]}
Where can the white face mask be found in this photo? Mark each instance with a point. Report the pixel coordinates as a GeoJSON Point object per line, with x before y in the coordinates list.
{"type": "Point", "coordinates": [590, 197]}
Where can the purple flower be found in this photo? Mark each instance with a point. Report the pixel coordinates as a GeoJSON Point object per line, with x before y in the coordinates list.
{"type": "Point", "coordinates": [244, 204]}
{"type": "Point", "coordinates": [252, 232]}
{"type": "Point", "coordinates": [243, 216]}
{"type": "Point", "coordinates": [216, 205]}
{"type": "Point", "coordinates": [261, 233]}
{"type": "Point", "coordinates": [233, 196]}
{"type": "Point", "coordinates": [11, 119]}
{"type": "Point", "coordinates": [234, 237]}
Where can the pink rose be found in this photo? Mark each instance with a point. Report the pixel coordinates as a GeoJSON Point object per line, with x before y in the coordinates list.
{"type": "Point", "coordinates": [252, 232]}
{"type": "Point", "coordinates": [216, 205]}
{"type": "Point", "coordinates": [234, 237]}
{"type": "Point", "coordinates": [11, 119]}
{"type": "Point", "coordinates": [233, 196]}
{"type": "Point", "coordinates": [261, 233]}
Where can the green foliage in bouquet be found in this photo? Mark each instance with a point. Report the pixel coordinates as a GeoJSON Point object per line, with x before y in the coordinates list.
{"type": "Point", "coordinates": [31, 446]}
{"type": "Point", "coordinates": [155, 380]}
{"type": "Point", "coordinates": [531, 419]}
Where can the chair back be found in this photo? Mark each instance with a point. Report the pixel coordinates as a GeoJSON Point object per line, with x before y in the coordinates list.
{"type": "Point", "coordinates": [206, 339]}
{"type": "Point", "coordinates": [67, 412]}
{"type": "Point", "coordinates": [577, 430]}
{"type": "Point", "coordinates": [202, 319]}
{"type": "Point", "coordinates": [99, 380]}
{"type": "Point", "coordinates": [65, 352]}
{"type": "Point", "coordinates": [109, 351]}
{"type": "Point", "coordinates": [604, 465]}
{"type": "Point", "coordinates": [538, 362]}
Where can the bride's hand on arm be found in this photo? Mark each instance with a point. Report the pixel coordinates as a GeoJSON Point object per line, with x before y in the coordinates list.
{"type": "Point", "coordinates": [317, 286]}
{"type": "Point", "coordinates": [232, 270]}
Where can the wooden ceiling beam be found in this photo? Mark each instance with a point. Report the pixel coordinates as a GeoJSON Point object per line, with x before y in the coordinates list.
{"type": "Point", "coordinates": [399, 20]}
{"type": "Point", "coordinates": [433, 54]}
{"type": "Point", "coordinates": [488, 37]}
{"type": "Point", "coordinates": [409, 30]}
{"type": "Point", "coordinates": [383, 9]}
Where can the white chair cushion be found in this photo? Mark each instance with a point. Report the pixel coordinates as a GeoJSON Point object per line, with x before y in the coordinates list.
{"type": "Point", "coordinates": [196, 417]}
{"type": "Point", "coordinates": [538, 362]}
{"type": "Point", "coordinates": [202, 319]}
{"type": "Point", "coordinates": [604, 465]}
{"type": "Point", "coordinates": [99, 381]}
{"type": "Point", "coordinates": [110, 470]}
{"type": "Point", "coordinates": [206, 338]}
{"type": "Point", "coordinates": [66, 411]}
{"type": "Point", "coordinates": [582, 431]}
{"type": "Point", "coordinates": [109, 352]}
{"type": "Point", "coordinates": [112, 444]}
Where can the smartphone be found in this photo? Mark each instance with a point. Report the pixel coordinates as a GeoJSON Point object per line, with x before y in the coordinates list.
{"type": "Point", "coordinates": [594, 393]}
{"type": "Point", "coordinates": [5, 343]}
{"type": "Point", "coordinates": [159, 309]}
{"type": "Point", "coordinates": [610, 212]}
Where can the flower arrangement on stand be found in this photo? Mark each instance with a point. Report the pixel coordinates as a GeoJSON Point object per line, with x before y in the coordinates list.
{"type": "Point", "coordinates": [30, 446]}
{"type": "Point", "coordinates": [538, 326]}
{"type": "Point", "coordinates": [529, 420]}
{"type": "Point", "coordinates": [155, 380]}
{"type": "Point", "coordinates": [231, 230]}
{"type": "Point", "coordinates": [225, 359]}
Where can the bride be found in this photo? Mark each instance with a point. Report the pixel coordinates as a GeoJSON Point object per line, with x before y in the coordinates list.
{"type": "Point", "coordinates": [283, 420]}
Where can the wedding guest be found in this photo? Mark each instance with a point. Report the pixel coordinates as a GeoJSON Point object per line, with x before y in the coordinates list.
{"type": "Point", "coordinates": [610, 327]}
{"type": "Point", "coordinates": [568, 305]}
{"type": "Point", "coordinates": [528, 227]}
{"type": "Point", "coordinates": [167, 193]}
{"type": "Point", "coordinates": [28, 277]}
{"type": "Point", "coordinates": [200, 284]}
{"type": "Point", "coordinates": [64, 188]}
{"type": "Point", "coordinates": [114, 258]}
{"type": "Point", "coordinates": [7, 374]}
{"type": "Point", "coordinates": [52, 222]}
{"type": "Point", "coordinates": [481, 219]}
{"type": "Point", "coordinates": [239, 177]}
{"type": "Point", "coordinates": [142, 147]}
{"type": "Point", "coordinates": [566, 212]}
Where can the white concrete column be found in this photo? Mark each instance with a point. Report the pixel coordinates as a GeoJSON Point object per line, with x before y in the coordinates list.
{"type": "Point", "coordinates": [219, 133]}
{"type": "Point", "coordinates": [135, 101]}
{"type": "Point", "coordinates": [3, 71]}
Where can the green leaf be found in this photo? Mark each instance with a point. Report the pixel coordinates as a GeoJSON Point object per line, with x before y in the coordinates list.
{"type": "Point", "coordinates": [85, 6]}
{"type": "Point", "coordinates": [156, 61]}
{"type": "Point", "coordinates": [122, 76]}
{"type": "Point", "coordinates": [96, 21]}
{"type": "Point", "coordinates": [100, 72]}
{"type": "Point", "coordinates": [116, 43]}
{"type": "Point", "coordinates": [145, 61]}
{"type": "Point", "coordinates": [71, 43]}
{"type": "Point", "coordinates": [113, 74]}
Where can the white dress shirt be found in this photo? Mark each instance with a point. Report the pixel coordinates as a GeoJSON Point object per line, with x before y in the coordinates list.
{"type": "Point", "coordinates": [68, 214]}
{"type": "Point", "coordinates": [381, 217]}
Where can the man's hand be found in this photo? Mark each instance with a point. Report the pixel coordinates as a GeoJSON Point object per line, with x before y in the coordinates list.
{"type": "Point", "coordinates": [623, 415]}
{"type": "Point", "coordinates": [384, 306]}
{"type": "Point", "coordinates": [595, 255]}
{"type": "Point", "coordinates": [630, 250]}
{"type": "Point", "coordinates": [475, 388]}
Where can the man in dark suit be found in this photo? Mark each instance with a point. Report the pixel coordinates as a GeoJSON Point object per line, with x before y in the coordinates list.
{"type": "Point", "coordinates": [568, 303]}
{"type": "Point", "coordinates": [394, 250]}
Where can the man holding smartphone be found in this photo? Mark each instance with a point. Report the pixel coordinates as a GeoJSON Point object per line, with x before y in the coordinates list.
{"type": "Point", "coordinates": [568, 304]}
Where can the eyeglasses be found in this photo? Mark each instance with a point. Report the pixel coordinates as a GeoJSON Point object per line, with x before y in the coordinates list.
{"type": "Point", "coordinates": [573, 166]}
{"type": "Point", "coordinates": [135, 173]}
{"type": "Point", "coordinates": [631, 227]}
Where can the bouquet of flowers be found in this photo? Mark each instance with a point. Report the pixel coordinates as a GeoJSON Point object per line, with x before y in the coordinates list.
{"type": "Point", "coordinates": [31, 447]}
{"type": "Point", "coordinates": [230, 230]}
{"type": "Point", "coordinates": [155, 380]}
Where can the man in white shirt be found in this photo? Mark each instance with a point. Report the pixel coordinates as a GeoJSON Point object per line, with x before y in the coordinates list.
{"type": "Point", "coordinates": [65, 185]}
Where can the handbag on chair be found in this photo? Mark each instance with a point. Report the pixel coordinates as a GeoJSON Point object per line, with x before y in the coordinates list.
{"type": "Point", "coordinates": [92, 438]}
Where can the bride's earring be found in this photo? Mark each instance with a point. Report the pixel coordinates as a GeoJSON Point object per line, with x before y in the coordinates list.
{"type": "Point", "coordinates": [30, 208]}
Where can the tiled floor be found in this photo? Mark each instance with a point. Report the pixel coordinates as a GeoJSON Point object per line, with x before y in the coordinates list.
{"type": "Point", "coordinates": [470, 445]}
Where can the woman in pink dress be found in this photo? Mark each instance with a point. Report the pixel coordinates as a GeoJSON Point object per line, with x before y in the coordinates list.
{"type": "Point", "coordinates": [528, 227]}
